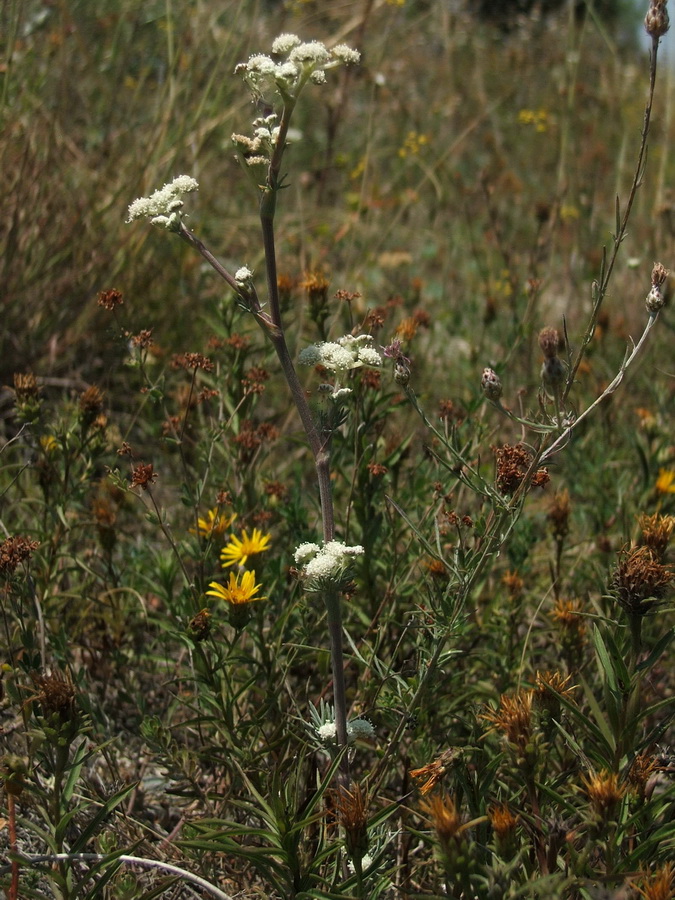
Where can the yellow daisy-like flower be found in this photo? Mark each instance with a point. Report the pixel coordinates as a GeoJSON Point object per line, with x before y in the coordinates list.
{"type": "Point", "coordinates": [237, 551]}
{"type": "Point", "coordinates": [665, 483]}
{"type": "Point", "coordinates": [236, 592]}
{"type": "Point", "coordinates": [215, 523]}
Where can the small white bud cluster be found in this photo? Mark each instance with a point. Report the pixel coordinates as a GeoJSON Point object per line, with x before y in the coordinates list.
{"type": "Point", "coordinates": [258, 149]}
{"type": "Point", "coordinates": [163, 208]}
{"type": "Point", "coordinates": [341, 356]}
{"type": "Point", "coordinates": [243, 276]}
{"type": "Point", "coordinates": [655, 298]}
{"type": "Point", "coordinates": [301, 62]}
{"type": "Point", "coordinates": [327, 563]}
{"type": "Point", "coordinates": [356, 729]}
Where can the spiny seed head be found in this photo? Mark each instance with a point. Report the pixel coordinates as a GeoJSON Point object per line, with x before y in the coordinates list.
{"type": "Point", "coordinates": [491, 384]}
{"type": "Point", "coordinates": [657, 22]}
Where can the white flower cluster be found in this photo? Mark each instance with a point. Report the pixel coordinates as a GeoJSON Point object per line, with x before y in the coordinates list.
{"type": "Point", "coordinates": [327, 562]}
{"type": "Point", "coordinates": [356, 729]}
{"type": "Point", "coordinates": [164, 206]}
{"type": "Point", "coordinates": [258, 149]}
{"type": "Point", "coordinates": [243, 275]}
{"type": "Point", "coordinates": [346, 353]}
{"type": "Point", "coordinates": [302, 62]}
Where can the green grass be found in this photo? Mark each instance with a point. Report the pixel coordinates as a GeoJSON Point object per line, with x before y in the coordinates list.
{"type": "Point", "coordinates": [463, 184]}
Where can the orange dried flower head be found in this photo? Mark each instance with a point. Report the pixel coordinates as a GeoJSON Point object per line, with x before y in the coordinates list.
{"type": "Point", "coordinates": [432, 773]}
{"type": "Point", "coordinates": [351, 810]}
{"type": "Point", "coordinates": [199, 626]}
{"type": "Point", "coordinates": [659, 885]}
{"type": "Point", "coordinates": [643, 767]}
{"type": "Point", "coordinates": [513, 717]}
{"type": "Point", "coordinates": [502, 820]}
{"type": "Point", "coordinates": [604, 791]}
{"type": "Point", "coordinates": [192, 361]}
{"type": "Point", "coordinates": [514, 584]}
{"type": "Point", "coordinates": [445, 817]}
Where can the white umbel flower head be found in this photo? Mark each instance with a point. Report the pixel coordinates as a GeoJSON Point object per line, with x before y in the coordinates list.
{"type": "Point", "coordinates": [325, 565]}
{"type": "Point", "coordinates": [301, 62]}
{"type": "Point", "coordinates": [243, 275]}
{"type": "Point", "coordinates": [164, 206]}
{"type": "Point", "coordinates": [341, 356]}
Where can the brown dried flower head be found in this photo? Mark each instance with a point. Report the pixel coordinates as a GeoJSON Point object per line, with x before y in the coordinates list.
{"type": "Point", "coordinates": [567, 613]}
{"type": "Point", "coordinates": [513, 462]}
{"type": "Point", "coordinates": [657, 531]}
{"type": "Point", "coordinates": [56, 695]}
{"type": "Point", "coordinates": [14, 551]}
{"type": "Point", "coordinates": [513, 583]}
{"type": "Point", "coordinates": [445, 817]}
{"type": "Point", "coordinates": [143, 475]}
{"type": "Point", "coordinates": [110, 299]}
{"type": "Point", "coordinates": [91, 404]}
{"type": "Point", "coordinates": [199, 626]}
{"type": "Point", "coordinates": [191, 361]}
{"type": "Point", "coordinates": [643, 768]}
{"type": "Point", "coordinates": [640, 580]}
{"type": "Point", "coordinates": [25, 386]}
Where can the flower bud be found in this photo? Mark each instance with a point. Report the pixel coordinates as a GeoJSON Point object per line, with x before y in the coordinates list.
{"type": "Point", "coordinates": [553, 373]}
{"type": "Point", "coordinates": [549, 341]}
{"type": "Point", "coordinates": [657, 22]}
{"type": "Point", "coordinates": [491, 384]}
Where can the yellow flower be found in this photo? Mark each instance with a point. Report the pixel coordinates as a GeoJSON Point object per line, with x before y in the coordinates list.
{"type": "Point", "coordinates": [236, 592]}
{"type": "Point", "coordinates": [238, 551]}
{"type": "Point", "coordinates": [665, 483]}
{"type": "Point", "coordinates": [215, 523]}
{"type": "Point", "coordinates": [49, 443]}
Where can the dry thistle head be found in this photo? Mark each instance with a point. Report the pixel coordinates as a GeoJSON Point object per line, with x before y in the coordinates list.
{"type": "Point", "coordinates": [656, 532]}
{"type": "Point", "coordinates": [604, 792]}
{"type": "Point", "coordinates": [657, 22]}
{"type": "Point", "coordinates": [91, 406]}
{"type": "Point", "coordinates": [550, 687]}
{"type": "Point", "coordinates": [640, 580]}
{"type": "Point", "coordinates": [351, 810]}
{"type": "Point", "coordinates": [27, 397]}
